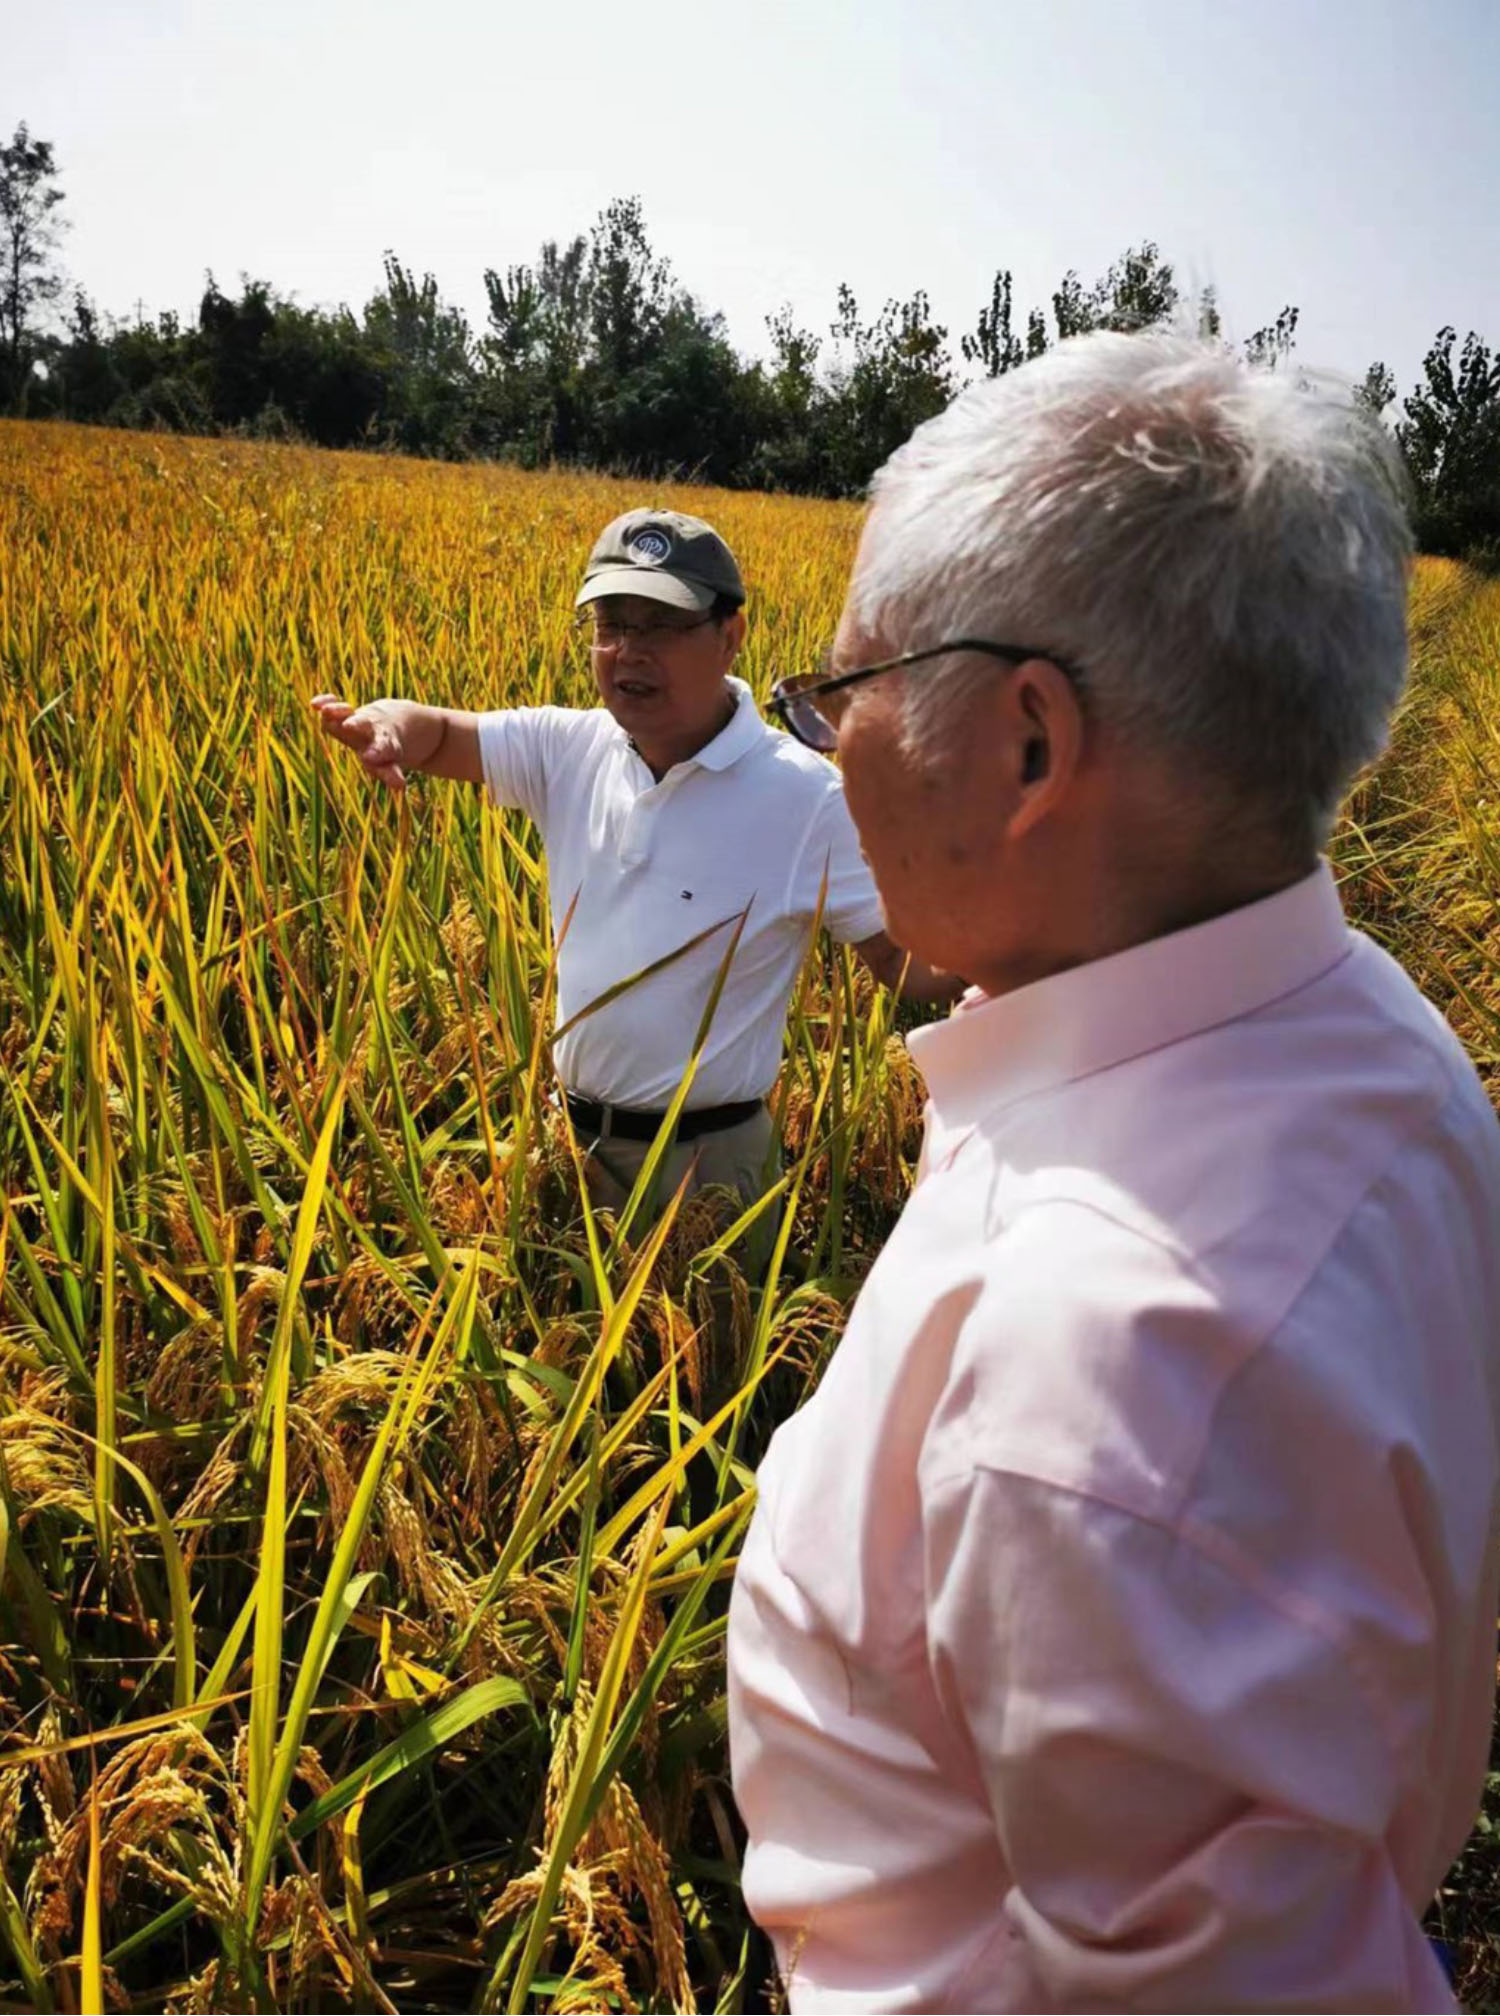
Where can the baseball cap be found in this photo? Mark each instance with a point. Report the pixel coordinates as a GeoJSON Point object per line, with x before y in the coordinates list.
{"type": "Point", "coordinates": [665, 556]}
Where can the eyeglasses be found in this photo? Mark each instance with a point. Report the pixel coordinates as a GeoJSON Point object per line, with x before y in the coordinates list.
{"type": "Point", "coordinates": [798, 702]}
{"type": "Point", "coordinates": [602, 634]}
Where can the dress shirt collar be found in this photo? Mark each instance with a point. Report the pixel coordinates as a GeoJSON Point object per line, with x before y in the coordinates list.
{"type": "Point", "coordinates": [992, 1051]}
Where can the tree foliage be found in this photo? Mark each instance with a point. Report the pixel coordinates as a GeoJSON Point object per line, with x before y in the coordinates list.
{"type": "Point", "coordinates": [1450, 437]}
{"type": "Point", "coordinates": [1273, 345]}
{"type": "Point", "coordinates": [594, 353]}
{"type": "Point", "coordinates": [1376, 389]}
{"type": "Point", "coordinates": [30, 231]}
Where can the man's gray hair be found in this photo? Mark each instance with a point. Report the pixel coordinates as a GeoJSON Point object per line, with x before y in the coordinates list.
{"type": "Point", "coordinates": [1221, 550]}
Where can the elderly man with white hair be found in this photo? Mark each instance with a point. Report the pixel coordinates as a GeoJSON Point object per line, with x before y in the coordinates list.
{"type": "Point", "coordinates": [1117, 1625]}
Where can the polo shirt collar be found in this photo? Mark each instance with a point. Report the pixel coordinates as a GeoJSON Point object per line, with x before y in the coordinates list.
{"type": "Point", "coordinates": [738, 736]}
{"type": "Point", "coordinates": [991, 1052]}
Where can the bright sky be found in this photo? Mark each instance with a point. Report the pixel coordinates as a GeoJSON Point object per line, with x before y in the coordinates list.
{"type": "Point", "coordinates": [1343, 155]}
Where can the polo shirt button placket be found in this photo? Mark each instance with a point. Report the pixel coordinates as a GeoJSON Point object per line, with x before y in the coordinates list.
{"type": "Point", "coordinates": [635, 839]}
{"type": "Point", "coordinates": [635, 844]}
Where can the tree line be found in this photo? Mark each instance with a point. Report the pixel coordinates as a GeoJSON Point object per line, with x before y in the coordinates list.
{"type": "Point", "coordinates": [595, 354]}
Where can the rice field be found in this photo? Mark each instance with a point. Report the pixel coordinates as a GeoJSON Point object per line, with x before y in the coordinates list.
{"type": "Point", "coordinates": [367, 1505]}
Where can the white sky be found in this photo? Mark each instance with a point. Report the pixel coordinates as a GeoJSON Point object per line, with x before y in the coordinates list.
{"type": "Point", "coordinates": [1343, 155]}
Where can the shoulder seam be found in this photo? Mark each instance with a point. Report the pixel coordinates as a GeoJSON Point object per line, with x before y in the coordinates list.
{"type": "Point", "coordinates": [1211, 1544]}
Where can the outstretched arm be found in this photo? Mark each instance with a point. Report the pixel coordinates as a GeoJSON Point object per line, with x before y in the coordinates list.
{"type": "Point", "coordinates": [391, 738]}
{"type": "Point", "coordinates": [908, 975]}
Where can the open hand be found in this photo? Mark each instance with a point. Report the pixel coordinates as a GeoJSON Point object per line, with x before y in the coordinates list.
{"type": "Point", "coordinates": [379, 733]}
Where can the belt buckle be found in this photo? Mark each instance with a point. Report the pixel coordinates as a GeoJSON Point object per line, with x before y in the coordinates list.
{"type": "Point", "coordinates": [606, 1119]}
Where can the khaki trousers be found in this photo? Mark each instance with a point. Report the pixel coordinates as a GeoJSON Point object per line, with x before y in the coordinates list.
{"type": "Point", "coordinates": [742, 1158]}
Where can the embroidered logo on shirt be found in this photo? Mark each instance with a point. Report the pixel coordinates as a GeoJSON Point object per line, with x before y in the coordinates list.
{"type": "Point", "coordinates": [651, 547]}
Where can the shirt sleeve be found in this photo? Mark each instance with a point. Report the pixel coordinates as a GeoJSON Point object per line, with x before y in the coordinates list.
{"type": "Point", "coordinates": [1189, 1787]}
{"type": "Point", "coordinates": [852, 909]}
{"type": "Point", "coordinates": [519, 748]}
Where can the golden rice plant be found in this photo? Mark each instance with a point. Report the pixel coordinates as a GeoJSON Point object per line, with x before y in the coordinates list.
{"type": "Point", "coordinates": [367, 1504]}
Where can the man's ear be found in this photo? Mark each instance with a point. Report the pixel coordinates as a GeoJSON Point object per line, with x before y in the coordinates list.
{"type": "Point", "coordinates": [1044, 732]}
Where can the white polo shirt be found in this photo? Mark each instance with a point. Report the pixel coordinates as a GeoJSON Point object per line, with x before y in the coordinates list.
{"type": "Point", "coordinates": [751, 824]}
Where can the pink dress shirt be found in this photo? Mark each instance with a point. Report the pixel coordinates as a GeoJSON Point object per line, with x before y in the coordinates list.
{"type": "Point", "coordinates": [1117, 1625]}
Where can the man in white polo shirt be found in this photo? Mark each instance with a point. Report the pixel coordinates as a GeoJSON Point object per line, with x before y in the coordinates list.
{"type": "Point", "coordinates": [672, 816]}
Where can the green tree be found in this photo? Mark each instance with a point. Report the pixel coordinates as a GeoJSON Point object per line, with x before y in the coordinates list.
{"type": "Point", "coordinates": [324, 377]}
{"type": "Point", "coordinates": [150, 375]}
{"type": "Point", "coordinates": [1450, 438]}
{"type": "Point", "coordinates": [592, 353]}
{"type": "Point", "coordinates": [82, 382]}
{"type": "Point", "coordinates": [794, 362]}
{"type": "Point", "coordinates": [889, 376]}
{"type": "Point", "coordinates": [1138, 292]}
{"type": "Point", "coordinates": [595, 353]}
{"type": "Point", "coordinates": [30, 232]}
{"type": "Point", "coordinates": [533, 357]}
{"type": "Point", "coordinates": [629, 289]}
{"type": "Point", "coordinates": [1376, 389]}
{"type": "Point", "coordinates": [1273, 345]}
{"type": "Point", "coordinates": [687, 409]}
{"type": "Point", "coordinates": [994, 344]}
{"type": "Point", "coordinates": [425, 354]}
{"type": "Point", "coordinates": [232, 350]}
{"type": "Point", "coordinates": [790, 438]}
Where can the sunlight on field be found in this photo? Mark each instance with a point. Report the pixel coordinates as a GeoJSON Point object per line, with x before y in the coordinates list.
{"type": "Point", "coordinates": [369, 1504]}
{"type": "Point", "coordinates": [1420, 842]}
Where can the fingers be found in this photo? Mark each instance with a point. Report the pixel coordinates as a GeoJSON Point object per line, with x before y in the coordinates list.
{"type": "Point", "coordinates": [367, 733]}
{"type": "Point", "coordinates": [334, 715]}
{"type": "Point", "coordinates": [356, 727]}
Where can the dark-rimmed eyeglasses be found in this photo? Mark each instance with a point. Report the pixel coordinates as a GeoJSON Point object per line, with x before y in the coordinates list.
{"type": "Point", "coordinates": [799, 703]}
{"type": "Point", "coordinates": [602, 633]}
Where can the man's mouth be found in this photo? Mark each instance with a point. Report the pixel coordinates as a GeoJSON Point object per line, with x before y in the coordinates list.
{"type": "Point", "coordinates": [636, 689]}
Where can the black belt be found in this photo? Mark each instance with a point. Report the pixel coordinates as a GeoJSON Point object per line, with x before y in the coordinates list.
{"type": "Point", "coordinates": [629, 1123]}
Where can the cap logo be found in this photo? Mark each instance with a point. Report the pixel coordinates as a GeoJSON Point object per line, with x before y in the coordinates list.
{"type": "Point", "coordinates": [650, 546]}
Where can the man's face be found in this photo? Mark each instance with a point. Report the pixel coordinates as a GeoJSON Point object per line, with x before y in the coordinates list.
{"type": "Point", "coordinates": [910, 822]}
{"type": "Point", "coordinates": [958, 835]}
{"type": "Point", "coordinates": [660, 671]}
